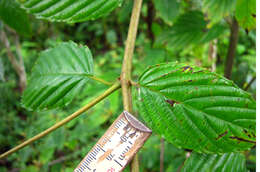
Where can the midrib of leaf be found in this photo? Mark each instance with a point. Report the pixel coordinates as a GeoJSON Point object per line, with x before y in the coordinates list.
{"type": "Point", "coordinates": [65, 74]}
{"type": "Point", "coordinates": [203, 113]}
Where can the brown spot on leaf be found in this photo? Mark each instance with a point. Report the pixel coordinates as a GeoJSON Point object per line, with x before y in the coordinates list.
{"type": "Point", "coordinates": [187, 68]}
{"type": "Point", "coordinates": [171, 102]}
{"type": "Point", "coordinates": [188, 150]}
{"type": "Point", "coordinates": [222, 135]}
{"type": "Point", "coordinates": [253, 135]}
{"type": "Point", "coordinates": [241, 139]}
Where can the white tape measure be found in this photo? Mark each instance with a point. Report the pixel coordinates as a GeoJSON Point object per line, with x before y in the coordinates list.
{"type": "Point", "coordinates": [117, 146]}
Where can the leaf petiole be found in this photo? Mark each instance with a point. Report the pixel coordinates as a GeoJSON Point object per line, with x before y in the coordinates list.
{"type": "Point", "coordinates": [109, 91]}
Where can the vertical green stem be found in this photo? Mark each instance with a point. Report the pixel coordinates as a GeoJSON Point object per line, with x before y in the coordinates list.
{"type": "Point", "coordinates": [127, 67]}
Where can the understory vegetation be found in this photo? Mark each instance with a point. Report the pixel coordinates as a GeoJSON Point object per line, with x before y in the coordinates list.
{"type": "Point", "coordinates": [191, 78]}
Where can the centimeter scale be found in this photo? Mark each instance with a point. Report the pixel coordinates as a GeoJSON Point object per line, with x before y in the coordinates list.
{"type": "Point", "coordinates": [117, 146]}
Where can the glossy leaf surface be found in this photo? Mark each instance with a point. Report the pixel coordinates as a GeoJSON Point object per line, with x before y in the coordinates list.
{"type": "Point", "coordinates": [196, 109]}
{"type": "Point", "coordinates": [58, 76]}
{"type": "Point", "coordinates": [15, 17]}
{"type": "Point", "coordinates": [70, 11]}
{"type": "Point", "coordinates": [215, 163]}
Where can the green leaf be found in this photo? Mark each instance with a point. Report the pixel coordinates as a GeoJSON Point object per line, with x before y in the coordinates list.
{"type": "Point", "coordinates": [190, 28]}
{"type": "Point", "coordinates": [70, 11]}
{"type": "Point", "coordinates": [167, 10]}
{"type": "Point", "coordinates": [218, 9]}
{"type": "Point", "coordinates": [58, 76]}
{"type": "Point", "coordinates": [245, 13]}
{"type": "Point", "coordinates": [197, 109]}
{"type": "Point", "coordinates": [215, 163]}
{"type": "Point", "coordinates": [15, 17]}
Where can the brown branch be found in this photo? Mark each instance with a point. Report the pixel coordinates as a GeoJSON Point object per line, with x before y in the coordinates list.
{"type": "Point", "coordinates": [149, 20]}
{"type": "Point", "coordinates": [17, 64]}
{"type": "Point", "coordinates": [22, 74]}
{"type": "Point", "coordinates": [64, 158]}
{"type": "Point", "coordinates": [233, 40]}
{"type": "Point", "coordinates": [127, 67]}
{"type": "Point", "coordinates": [250, 83]}
{"type": "Point", "coordinates": [162, 155]}
{"type": "Point", "coordinates": [213, 54]}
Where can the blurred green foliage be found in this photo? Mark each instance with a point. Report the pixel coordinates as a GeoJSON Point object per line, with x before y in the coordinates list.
{"type": "Point", "coordinates": [63, 149]}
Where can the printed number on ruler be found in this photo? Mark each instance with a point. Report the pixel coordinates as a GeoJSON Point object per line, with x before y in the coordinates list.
{"type": "Point", "coordinates": [117, 146]}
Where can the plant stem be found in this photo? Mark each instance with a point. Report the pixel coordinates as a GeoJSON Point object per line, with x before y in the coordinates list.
{"type": "Point", "coordinates": [162, 155]}
{"type": "Point", "coordinates": [109, 91]}
{"type": "Point", "coordinates": [100, 80]}
{"type": "Point", "coordinates": [250, 83]}
{"type": "Point", "coordinates": [22, 74]}
{"type": "Point", "coordinates": [213, 54]}
{"type": "Point", "coordinates": [233, 39]}
{"type": "Point", "coordinates": [17, 65]}
{"type": "Point", "coordinates": [149, 20]}
{"type": "Point", "coordinates": [127, 67]}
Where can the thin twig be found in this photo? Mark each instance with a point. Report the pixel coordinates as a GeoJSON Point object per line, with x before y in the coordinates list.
{"type": "Point", "coordinates": [22, 74]}
{"type": "Point", "coordinates": [162, 155]}
{"type": "Point", "coordinates": [250, 83]}
{"type": "Point", "coordinates": [64, 158]}
{"type": "Point", "coordinates": [213, 54]}
{"type": "Point", "coordinates": [100, 80]}
{"type": "Point", "coordinates": [109, 91]}
{"type": "Point", "coordinates": [127, 67]}
{"type": "Point", "coordinates": [233, 40]}
{"type": "Point", "coordinates": [17, 65]}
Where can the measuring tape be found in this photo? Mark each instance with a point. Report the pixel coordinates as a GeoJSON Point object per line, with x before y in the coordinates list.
{"type": "Point", "coordinates": [117, 146]}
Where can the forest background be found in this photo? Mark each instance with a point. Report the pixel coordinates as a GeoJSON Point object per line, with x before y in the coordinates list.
{"type": "Point", "coordinates": [218, 36]}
